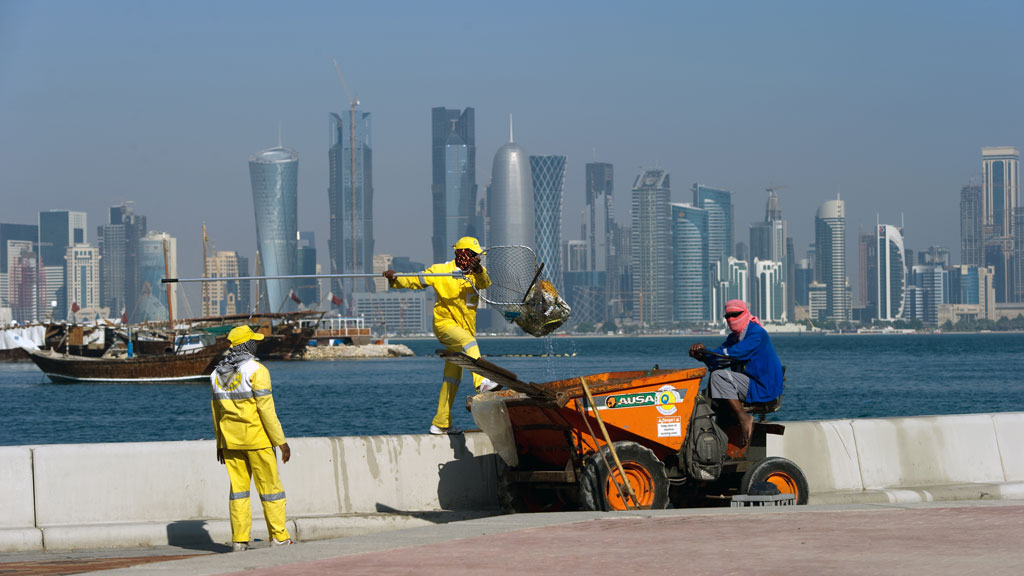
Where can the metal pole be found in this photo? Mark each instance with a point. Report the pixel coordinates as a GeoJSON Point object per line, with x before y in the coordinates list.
{"type": "Point", "coordinates": [306, 277]}
{"type": "Point", "coordinates": [611, 447]}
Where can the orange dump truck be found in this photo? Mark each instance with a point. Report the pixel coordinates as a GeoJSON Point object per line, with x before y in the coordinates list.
{"type": "Point", "coordinates": [575, 443]}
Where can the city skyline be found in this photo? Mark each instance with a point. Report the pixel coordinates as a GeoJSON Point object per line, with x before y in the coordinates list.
{"type": "Point", "coordinates": [791, 99]}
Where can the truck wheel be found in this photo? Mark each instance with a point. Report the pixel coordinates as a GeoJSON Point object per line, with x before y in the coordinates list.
{"type": "Point", "coordinates": [784, 474]}
{"type": "Point", "coordinates": [645, 472]}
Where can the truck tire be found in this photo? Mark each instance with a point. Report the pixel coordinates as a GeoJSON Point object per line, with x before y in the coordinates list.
{"type": "Point", "coordinates": [645, 472]}
{"type": "Point", "coordinates": [784, 474]}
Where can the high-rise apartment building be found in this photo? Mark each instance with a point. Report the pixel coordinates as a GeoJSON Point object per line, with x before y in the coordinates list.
{"type": "Point", "coordinates": [768, 243]}
{"type": "Point", "coordinates": [830, 259]}
{"type": "Point", "coordinates": [721, 241]}
{"type": "Point", "coordinates": [889, 291]}
{"type": "Point", "coordinates": [768, 290]}
{"type": "Point", "coordinates": [453, 188]}
{"type": "Point", "coordinates": [309, 289]}
{"type": "Point", "coordinates": [14, 239]}
{"type": "Point", "coordinates": [118, 243]}
{"type": "Point", "coordinates": [971, 239]}
{"type": "Point", "coordinates": [58, 229]}
{"type": "Point", "coordinates": [652, 249]}
{"type": "Point", "coordinates": [350, 194]}
{"type": "Point", "coordinates": [738, 280]}
{"type": "Point", "coordinates": [223, 298]}
{"type": "Point", "coordinates": [804, 277]}
{"type": "Point", "coordinates": [1000, 167]}
{"type": "Point", "coordinates": [274, 174]}
{"type": "Point", "coordinates": [158, 258]}
{"type": "Point", "coordinates": [83, 282]}
{"type": "Point", "coordinates": [690, 262]}
{"type": "Point", "coordinates": [548, 173]}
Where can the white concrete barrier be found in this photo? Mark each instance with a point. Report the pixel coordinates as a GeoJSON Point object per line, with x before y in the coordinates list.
{"type": "Point", "coordinates": [157, 493]}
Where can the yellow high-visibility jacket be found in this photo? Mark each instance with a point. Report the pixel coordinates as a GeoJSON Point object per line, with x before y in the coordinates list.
{"type": "Point", "coordinates": [457, 298]}
{"type": "Point", "coordinates": [244, 417]}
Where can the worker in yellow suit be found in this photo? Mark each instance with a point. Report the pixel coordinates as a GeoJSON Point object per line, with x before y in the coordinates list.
{"type": "Point", "coordinates": [454, 319]}
{"type": "Point", "coordinates": [246, 426]}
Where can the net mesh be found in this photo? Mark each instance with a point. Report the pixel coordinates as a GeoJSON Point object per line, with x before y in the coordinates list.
{"type": "Point", "coordinates": [519, 290]}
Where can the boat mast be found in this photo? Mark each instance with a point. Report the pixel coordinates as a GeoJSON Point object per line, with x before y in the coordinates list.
{"type": "Point", "coordinates": [170, 309]}
{"type": "Point", "coordinates": [206, 289]}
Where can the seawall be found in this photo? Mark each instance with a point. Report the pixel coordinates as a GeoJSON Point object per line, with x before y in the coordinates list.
{"type": "Point", "coordinates": [72, 496]}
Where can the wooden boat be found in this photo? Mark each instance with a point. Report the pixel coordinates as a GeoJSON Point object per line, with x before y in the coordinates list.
{"type": "Point", "coordinates": [195, 365]}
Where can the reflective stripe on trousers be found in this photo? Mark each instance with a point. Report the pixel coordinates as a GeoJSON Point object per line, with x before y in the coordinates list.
{"type": "Point", "coordinates": [244, 467]}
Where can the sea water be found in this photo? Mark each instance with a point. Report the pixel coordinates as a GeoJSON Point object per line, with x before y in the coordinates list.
{"type": "Point", "coordinates": [827, 377]}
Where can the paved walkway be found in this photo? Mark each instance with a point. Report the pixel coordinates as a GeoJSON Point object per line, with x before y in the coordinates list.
{"type": "Point", "coordinates": [932, 539]}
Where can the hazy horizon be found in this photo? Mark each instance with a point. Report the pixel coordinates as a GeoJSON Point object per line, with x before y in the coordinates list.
{"type": "Point", "coordinates": [163, 104]}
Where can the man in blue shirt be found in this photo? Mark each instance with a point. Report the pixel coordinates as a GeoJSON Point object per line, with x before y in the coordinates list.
{"type": "Point", "coordinates": [759, 379]}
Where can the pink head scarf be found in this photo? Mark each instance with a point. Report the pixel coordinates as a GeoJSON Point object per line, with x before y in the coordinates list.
{"type": "Point", "coordinates": [739, 323]}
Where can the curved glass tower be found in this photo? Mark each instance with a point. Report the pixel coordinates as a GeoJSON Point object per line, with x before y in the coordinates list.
{"type": "Point", "coordinates": [275, 190]}
{"type": "Point", "coordinates": [892, 273]}
{"type": "Point", "coordinates": [510, 199]}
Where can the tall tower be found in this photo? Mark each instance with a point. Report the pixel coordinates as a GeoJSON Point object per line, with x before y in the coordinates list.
{"type": "Point", "coordinates": [350, 192]}
{"type": "Point", "coordinates": [830, 258]}
{"type": "Point", "coordinates": [275, 197]}
{"type": "Point", "coordinates": [548, 188]}
{"type": "Point", "coordinates": [58, 229]}
{"type": "Point", "coordinates": [1000, 167]}
{"type": "Point", "coordinates": [690, 262]}
{"type": "Point", "coordinates": [453, 188]}
{"type": "Point", "coordinates": [510, 208]}
{"type": "Point", "coordinates": [721, 242]}
{"type": "Point", "coordinates": [153, 302]}
{"type": "Point", "coordinates": [768, 243]}
{"type": "Point", "coordinates": [14, 239]}
{"type": "Point", "coordinates": [600, 183]}
{"type": "Point", "coordinates": [971, 241]}
{"type": "Point", "coordinates": [83, 279]}
{"type": "Point", "coordinates": [768, 293]}
{"type": "Point", "coordinates": [652, 249]}
{"type": "Point", "coordinates": [891, 272]}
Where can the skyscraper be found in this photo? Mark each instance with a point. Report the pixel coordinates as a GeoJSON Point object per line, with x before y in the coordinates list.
{"type": "Point", "coordinates": [350, 192]}
{"type": "Point", "coordinates": [222, 298]}
{"type": "Point", "coordinates": [768, 243]}
{"type": "Point", "coordinates": [453, 187]}
{"type": "Point", "coordinates": [721, 241]}
{"type": "Point", "coordinates": [600, 183]}
{"type": "Point", "coordinates": [274, 174]}
{"type": "Point", "coordinates": [971, 240]}
{"type": "Point", "coordinates": [308, 290]}
{"type": "Point", "coordinates": [83, 282]}
{"type": "Point", "coordinates": [690, 262]}
{"type": "Point", "coordinates": [118, 242]}
{"type": "Point", "coordinates": [154, 248]}
{"type": "Point", "coordinates": [58, 229]}
{"type": "Point", "coordinates": [652, 249]}
{"type": "Point", "coordinates": [510, 210]}
{"type": "Point", "coordinates": [891, 274]}
{"type": "Point", "coordinates": [14, 238]}
{"type": "Point", "coordinates": [830, 260]}
{"type": "Point", "coordinates": [1000, 168]}
{"type": "Point", "coordinates": [548, 173]}
{"type": "Point", "coordinates": [768, 293]}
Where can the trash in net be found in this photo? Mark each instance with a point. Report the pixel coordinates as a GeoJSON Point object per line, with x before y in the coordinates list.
{"type": "Point", "coordinates": [519, 290]}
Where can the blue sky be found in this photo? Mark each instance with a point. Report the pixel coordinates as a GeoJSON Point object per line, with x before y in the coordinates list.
{"type": "Point", "coordinates": [163, 103]}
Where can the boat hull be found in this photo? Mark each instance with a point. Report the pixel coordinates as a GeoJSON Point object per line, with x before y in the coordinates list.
{"type": "Point", "coordinates": [195, 366]}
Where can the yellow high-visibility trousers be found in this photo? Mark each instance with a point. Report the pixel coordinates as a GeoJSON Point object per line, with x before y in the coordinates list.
{"type": "Point", "coordinates": [456, 339]}
{"type": "Point", "coordinates": [243, 467]}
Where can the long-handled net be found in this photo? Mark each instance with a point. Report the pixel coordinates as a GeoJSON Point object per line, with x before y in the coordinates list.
{"type": "Point", "coordinates": [521, 292]}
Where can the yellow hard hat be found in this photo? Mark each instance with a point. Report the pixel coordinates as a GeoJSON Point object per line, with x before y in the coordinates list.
{"type": "Point", "coordinates": [242, 334]}
{"type": "Point", "coordinates": [469, 243]}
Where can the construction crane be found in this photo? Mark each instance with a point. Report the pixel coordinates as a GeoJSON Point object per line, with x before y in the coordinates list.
{"type": "Point", "coordinates": [353, 101]}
